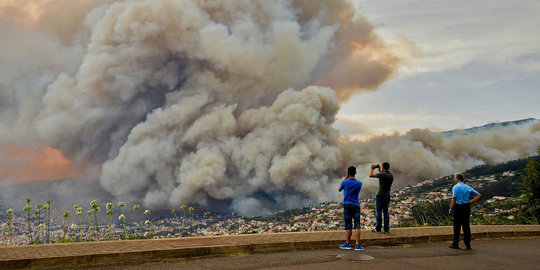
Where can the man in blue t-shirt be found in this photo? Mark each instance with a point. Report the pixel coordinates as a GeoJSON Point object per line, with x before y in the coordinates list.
{"type": "Point", "coordinates": [461, 207]}
{"type": "Point", "coordinates": [351, 207]}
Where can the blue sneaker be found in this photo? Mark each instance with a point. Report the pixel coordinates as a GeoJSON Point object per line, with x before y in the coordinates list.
{"type": "Point", "coordinates": [358, 248]}
{"type": "Point", "coordinates": [345, 246]}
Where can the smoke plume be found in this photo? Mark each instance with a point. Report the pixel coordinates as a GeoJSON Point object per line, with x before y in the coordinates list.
{"type": "Point", "coordinates": [213, 102]}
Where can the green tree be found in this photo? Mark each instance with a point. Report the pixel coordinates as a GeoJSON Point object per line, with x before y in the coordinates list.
{"type": "Point", "coordinates": [531, 181]}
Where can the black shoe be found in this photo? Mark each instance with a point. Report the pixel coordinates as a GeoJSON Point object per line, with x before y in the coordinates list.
{"type": "Point", "coordinates": [454, 247]}
{"type": "Point", "coordinates": [375, 231]}
{"type": "Point", "coordinates": [387, 232]}
{"type": "Point", "coordinates": [469, 248]}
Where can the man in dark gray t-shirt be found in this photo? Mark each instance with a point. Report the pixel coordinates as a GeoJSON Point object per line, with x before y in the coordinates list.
{"type": "Point", "coordinates": [385, 183]}
{"type": "Point", "coordinates": [382, 200]}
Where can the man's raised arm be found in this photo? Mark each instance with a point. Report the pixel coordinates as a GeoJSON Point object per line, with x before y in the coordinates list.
{"type": "Point", "coordinates": [341, 186]}
{"type": "Point", "coordinates": [371, 174]}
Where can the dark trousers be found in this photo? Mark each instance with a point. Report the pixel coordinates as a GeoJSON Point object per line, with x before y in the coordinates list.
{"type": "Point", "coordinates": [462, 214]}
{"type": "Point", "coordinates": [381, 205]}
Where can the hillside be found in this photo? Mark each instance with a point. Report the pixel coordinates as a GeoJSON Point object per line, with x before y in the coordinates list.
{"type": "Point", "coordinates": [427, 203]}
{"type": "Point", "coordinates": [489, 126]}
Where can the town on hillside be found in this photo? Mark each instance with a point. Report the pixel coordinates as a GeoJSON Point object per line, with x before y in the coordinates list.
{"type": "Point", "coordinates": [424, 204]}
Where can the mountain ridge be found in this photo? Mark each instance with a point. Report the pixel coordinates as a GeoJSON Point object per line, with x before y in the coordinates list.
{"type": "Point", "coordinates": [490, 126]}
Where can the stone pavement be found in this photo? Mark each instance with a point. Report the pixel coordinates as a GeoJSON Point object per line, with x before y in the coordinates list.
{"type": "Point", "coordinates": [137, 251]}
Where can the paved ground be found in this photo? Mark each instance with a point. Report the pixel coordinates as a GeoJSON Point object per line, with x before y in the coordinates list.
{"type": "Point", "coordinates": [514, 253]}
{"type": "Point", "coordinates": [162, 250]}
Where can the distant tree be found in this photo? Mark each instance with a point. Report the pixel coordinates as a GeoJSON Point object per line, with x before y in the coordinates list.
{"type": "Point", "coordinates": [512, 165]}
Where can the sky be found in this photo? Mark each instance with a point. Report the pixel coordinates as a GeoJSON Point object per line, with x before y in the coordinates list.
{"type": "Point", "coordinates": [468, 63]}
{"type": "Point", "coordinates": [463, 64]}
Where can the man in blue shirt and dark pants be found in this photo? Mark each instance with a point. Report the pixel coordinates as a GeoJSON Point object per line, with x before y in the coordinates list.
{"type": "Point", "coordinates": [351, 208]}
{"type": "Point", "coordinates": [461, 207]}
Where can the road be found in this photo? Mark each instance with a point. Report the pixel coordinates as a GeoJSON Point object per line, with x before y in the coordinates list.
{"type": "Point", "coordinates": [515, 253]}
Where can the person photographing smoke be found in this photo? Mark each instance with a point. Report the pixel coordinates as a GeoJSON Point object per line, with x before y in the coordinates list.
{"type": "Point", "coordinates": [351, 208]}
{"type": "Point", "coordinates": [382, 200]}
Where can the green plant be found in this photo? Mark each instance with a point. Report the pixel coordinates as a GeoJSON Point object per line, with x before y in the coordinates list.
{"type": "Point", "coordinates": [66, 215]}
{"type": "Point", "coordinates": [3, 233]}
{"type": "Point", "coordinates": [531, 181]}
{"type": "Point", "coordinates": [95, 208]}
{"type": "Point", "coordinates": [148, 224]}
{"type": "Point", "coordinates": [184, 209]}
{"type": "Point", "coordinates": [28, 208]}
{"type": "Point", "coordinates": [74, 229]}
{"type": "Point", "coordinates": [78, 220]}
{"type": "Point", "coordinates": [191, 209]}
{"type": "Point", "coordinates": [122, 205]}
{"type": "Point", "coordinates": [49, 203]}
{"type": "Point", "coordinates": [10, 217]}
{"type": "Point", "coordinates": [110, 212]}
{"type": "Point", "coordinates": [40, 228]}
{"type": "Point", "coordinates": [122, 218]}
{"type": "Point", "coordinates": [38, 231]}
{"type": "Point", "coordinates": [138, 208]}
{"type": "Point", "coordinates": [90, 231]}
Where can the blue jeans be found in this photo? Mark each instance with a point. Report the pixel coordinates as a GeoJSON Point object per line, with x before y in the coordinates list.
{"type": "Point", "coordinates": [381, 205]}
{"type": "Point", "coordinates": [351, 212]}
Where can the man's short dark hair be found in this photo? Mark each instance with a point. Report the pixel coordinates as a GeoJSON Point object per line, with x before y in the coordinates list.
{"type": "Point", "coordinates": [386, 165]}
{"type": "Point", "coordinates": [459, 176]}
{"type": "Point", "coordinates": [351, 171]}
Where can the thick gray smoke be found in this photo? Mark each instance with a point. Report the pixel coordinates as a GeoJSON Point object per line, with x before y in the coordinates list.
{"type": "Point", "coordinates": [210, 103]}
{"type": "Point", "coordinates": [189, 101]}
{"type": "Point", "coordinates": [422, 154]}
